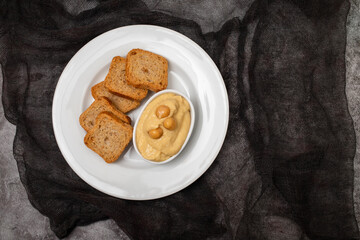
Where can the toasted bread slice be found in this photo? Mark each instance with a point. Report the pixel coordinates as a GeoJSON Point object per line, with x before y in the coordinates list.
{"type": "Point", "coordinates": [87, 118]}
{"type": "Point", "coordinates": [146, 70]}
{"type": "Point", "coordinates": [121, 103]}
{"type": "Point", "coordinates": [115, 81]}
{"type": "Point", "coordinates": [108, 137]}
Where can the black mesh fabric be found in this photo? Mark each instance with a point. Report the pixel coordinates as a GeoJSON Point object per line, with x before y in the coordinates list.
{"type": "Point", "coordinates": [285, 170]}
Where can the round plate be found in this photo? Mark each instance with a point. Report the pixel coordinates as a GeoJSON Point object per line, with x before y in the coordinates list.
{"type": "Point", "coordinates": [191, 71]}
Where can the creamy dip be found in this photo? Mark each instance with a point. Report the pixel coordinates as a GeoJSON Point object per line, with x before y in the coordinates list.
{"type": "Point", "coordinates": [170, 142]}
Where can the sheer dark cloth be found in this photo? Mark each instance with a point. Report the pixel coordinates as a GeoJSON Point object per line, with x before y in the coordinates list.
{"type": "Point", "coordinates": [285, 170]}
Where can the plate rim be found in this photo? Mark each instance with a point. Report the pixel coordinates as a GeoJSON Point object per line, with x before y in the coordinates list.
{"type": "Point", "coordinates": [86, 176]}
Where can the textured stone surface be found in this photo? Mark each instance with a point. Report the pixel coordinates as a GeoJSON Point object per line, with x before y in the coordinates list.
{"type": "Point", "coordinates": [353, 88]}
{"type": "Point", "coordinates": [21, 221]}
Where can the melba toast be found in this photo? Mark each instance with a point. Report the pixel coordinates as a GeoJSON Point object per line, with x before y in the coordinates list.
{"type": "Point", "coordinates": [108, 137]}
{"type": "Point", "coordinates": [146, 70]}
{"type": "Point", "coordinates": [116, 82]}
{"type": "Point", "coordinates": [87, 118]}
{"type": "Point", "coordinates": [121, 103]}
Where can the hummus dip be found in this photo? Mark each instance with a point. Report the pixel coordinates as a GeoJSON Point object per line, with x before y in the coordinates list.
{"type": "Point", "coordinates": [169, 140]}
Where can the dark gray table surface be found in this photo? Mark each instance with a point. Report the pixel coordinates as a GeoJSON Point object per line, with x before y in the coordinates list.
{"type": "Point", "coordinates": [19, 220]}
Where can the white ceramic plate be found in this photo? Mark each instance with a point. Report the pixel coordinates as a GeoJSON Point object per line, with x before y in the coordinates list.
{"type": "Point", "coordinates": [191, 71]}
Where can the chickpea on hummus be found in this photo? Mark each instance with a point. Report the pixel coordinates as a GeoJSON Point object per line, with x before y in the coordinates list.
{"type": "Point", "coordinates": [163, 127]}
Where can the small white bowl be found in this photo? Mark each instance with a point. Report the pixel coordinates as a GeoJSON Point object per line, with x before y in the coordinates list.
{"type": "Point", "coordinates": [192, 121]}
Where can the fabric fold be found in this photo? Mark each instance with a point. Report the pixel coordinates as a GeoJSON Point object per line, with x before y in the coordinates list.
{"type": "Point", "coordinates": [285, 170]}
